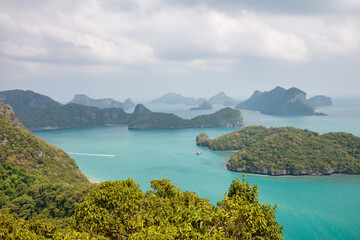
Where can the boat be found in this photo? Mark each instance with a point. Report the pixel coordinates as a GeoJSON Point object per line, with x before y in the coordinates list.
{"type": "Point", "coordinates": [198, 152]}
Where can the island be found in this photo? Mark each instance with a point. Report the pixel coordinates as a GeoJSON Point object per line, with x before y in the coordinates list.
{"type": "Point", "coordinates": [222, 99]}
{"type": "Point", "coordinates": [99, 103]}
{"type": "Point", "coordinates": [128, 103]}
{"type": "Point", "coordinates": [205, 105]}
{"type": "Point", "coordinates": [44, 195]}
{"type": "Point", "coordinates": [319, 101]}
{"type": "Point", "coordinates": [287, 151]}
{"type": "Point", "coordinates": [279, 101]}
{"type": "Point", "coordinates": [38, 112]}
{"type": "Point", "coordinates": [143, 118]}
{"type": "Point", "coordinates": [174, 98]}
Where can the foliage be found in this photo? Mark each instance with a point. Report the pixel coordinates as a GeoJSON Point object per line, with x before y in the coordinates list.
{"type": "Point", "coordinates": [120, 210]}
{"type": "Point", "coordinates": [12, 228]}
{"type": "Point", "coordinates": [36, 179]}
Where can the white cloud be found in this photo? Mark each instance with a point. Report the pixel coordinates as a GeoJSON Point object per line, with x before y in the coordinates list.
{"type": "Point", "coordinates": [159, 33]}
{"type": "Point", "coordinates": [13, 50]}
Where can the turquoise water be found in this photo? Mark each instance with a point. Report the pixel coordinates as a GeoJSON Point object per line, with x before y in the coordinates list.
{"type": "Point", "coordinates": [308, 207]}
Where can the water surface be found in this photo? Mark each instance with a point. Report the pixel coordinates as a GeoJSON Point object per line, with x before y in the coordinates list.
{"type": "Point", "coordinates": [309, 207]}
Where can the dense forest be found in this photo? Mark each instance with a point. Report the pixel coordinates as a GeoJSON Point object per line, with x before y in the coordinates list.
{"type": "Point", "coordinates": [44, 195]}
{"type": "Point", "coordinates": [288, 151]}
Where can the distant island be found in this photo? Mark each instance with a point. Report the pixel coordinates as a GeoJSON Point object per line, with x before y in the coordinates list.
{"type": "Point", "coordinates": [205, 105]}
{"type": "Point", "coordinates": [319, 101]}
{"type": "Point", "coordinates": [287, 151]}
{"type": "Point", "coordinates": [102, 103]}
{"type": "Point", "coordinates": [174, 98]}
{"type": "Point", "coordinates": [279, 101]}
{"type": "Point", "coordinates": [39, 112]}
{"type": "Point", "coordinates": [44, 195]}
{"type": "Point", "coordinates": [143, 118]}
{"type": "Point", "coordinates": [222, 99]}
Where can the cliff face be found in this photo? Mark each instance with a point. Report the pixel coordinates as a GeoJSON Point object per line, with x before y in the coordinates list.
{"type": "Point", "coordinates": [279, 101]}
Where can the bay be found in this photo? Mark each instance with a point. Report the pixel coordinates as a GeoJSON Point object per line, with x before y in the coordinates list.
{"type": "Point", "coordinates": [308, 207]}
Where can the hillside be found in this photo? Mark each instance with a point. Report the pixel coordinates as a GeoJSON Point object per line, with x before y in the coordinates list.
{"type": "Point", "coordinates": [279, 101]}
{"type": "Point", "coordinates": [226, 117]}
{"type": "Point", "coordinates": [27, 101]}
{"type": "Point", "coordinates": [99, 103]}
{"type": "Point", "coordinates": [288, 151]}
{"type": "Point", "coordinates": [36, 178]}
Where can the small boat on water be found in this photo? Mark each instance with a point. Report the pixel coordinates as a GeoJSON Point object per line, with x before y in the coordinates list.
{"type": "Point", "coordinates": [198, 152]}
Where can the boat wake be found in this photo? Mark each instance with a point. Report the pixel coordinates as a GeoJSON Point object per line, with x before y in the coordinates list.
{"type": "Point", "coordinates": [90, 154]}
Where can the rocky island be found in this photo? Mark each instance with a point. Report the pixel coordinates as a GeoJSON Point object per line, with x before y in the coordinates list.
{"type": "Point", "coordinates": [279, 101]}
{"type": "Point", "coordinates": [288, 151]}
{"type": "Point", "coordinates": [205, 105]}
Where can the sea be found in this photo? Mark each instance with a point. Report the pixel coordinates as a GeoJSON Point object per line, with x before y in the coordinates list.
{"type": "Point", "coordinates": [308, 207]}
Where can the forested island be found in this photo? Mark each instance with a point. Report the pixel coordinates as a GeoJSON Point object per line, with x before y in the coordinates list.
{"type": "Point", "coordinates": [44, 195]}
{"type": "Point", "coordinates": [287, 151]}
{"type": "Point", "coordinates": [39, 112]}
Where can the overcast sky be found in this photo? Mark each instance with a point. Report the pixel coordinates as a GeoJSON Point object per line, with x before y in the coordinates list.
{"type": "Point", "coordinates": [145, 48]}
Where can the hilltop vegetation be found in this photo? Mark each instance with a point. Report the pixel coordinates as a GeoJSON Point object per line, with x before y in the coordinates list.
{"type": "Point", "coordinates": [288, 151]}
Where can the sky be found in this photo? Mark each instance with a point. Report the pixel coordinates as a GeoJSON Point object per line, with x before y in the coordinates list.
{"type": "Point", "coordinates": [144, 49]}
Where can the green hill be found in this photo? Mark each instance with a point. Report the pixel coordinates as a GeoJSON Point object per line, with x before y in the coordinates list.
{"type": "Point", "coordinates": [36, 178]}
{"type": "Point", "coordinates": [288, 151]}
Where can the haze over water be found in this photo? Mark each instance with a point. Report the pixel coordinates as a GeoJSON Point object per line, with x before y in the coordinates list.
{"type": "Point", "coordinates": [308, 207]}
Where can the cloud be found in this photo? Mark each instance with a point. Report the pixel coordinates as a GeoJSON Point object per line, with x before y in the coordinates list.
{"type": "Point", "coordinates": [175, 34]}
